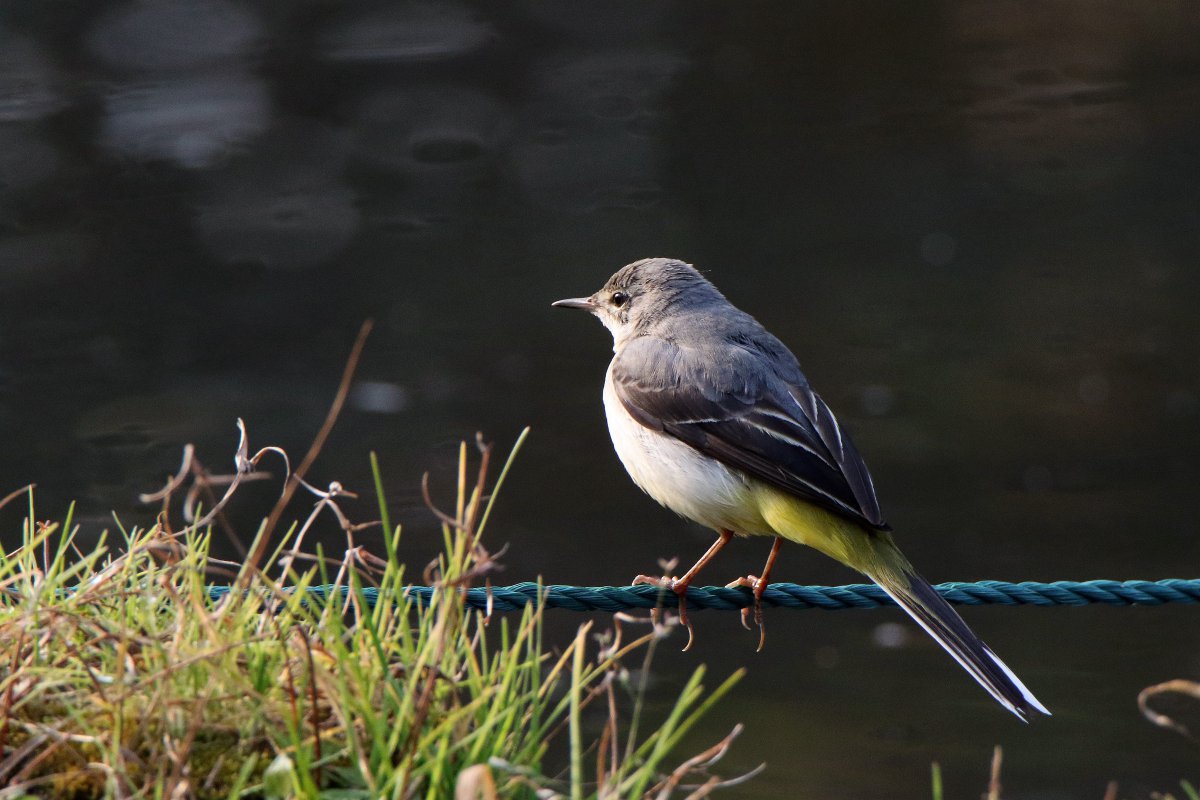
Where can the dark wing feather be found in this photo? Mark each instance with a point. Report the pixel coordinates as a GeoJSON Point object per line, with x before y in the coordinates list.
{"type": "Point", "coordinates": [741, 413]}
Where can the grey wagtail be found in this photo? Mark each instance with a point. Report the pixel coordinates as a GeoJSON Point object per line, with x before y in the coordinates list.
{"type": "Point", "coordinates": [712, 417]}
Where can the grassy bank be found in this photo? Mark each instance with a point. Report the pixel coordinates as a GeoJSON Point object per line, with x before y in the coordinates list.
{"type": "Point", "coordinates": [122, 676]}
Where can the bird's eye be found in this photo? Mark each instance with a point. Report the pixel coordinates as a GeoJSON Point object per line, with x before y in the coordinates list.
{"type": "Point", "coordinates": [619, 299]}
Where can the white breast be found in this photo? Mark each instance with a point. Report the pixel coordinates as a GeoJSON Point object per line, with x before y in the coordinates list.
{"type": "Point", "coordinates": [679, 477]}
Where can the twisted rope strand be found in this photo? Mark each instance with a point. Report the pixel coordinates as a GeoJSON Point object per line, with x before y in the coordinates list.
{"type": "Point", "coordinates": [791, 595]}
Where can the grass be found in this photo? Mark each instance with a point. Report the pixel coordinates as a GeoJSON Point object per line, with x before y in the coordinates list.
{"type": "Point", "coordinates": [122, 677]}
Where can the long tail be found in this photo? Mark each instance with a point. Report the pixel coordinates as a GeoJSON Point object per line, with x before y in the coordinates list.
{"type": "Point", "coordinates": [874, 554]}
{"type": "Point", "coordinates": [895, 575]}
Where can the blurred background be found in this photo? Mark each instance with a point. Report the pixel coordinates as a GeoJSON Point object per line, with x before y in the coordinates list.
{"type": "Point", "coordinates": [976, 223]}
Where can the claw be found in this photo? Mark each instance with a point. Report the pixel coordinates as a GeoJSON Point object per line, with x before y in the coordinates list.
{"type": "Point", "coordinates": [757, 585]}
{"type": "Point", "coordinates": [691, 635]}
{"type": "Point", "coordinates": [679, 587]}
{"type": "Point", "coordinates": [748, 582]}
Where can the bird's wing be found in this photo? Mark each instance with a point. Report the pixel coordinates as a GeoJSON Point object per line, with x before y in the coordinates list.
{"type": "Point", "coordinates": [738, 410]}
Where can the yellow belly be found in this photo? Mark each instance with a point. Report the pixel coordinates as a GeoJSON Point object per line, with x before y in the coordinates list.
{"type": "Point", "coordinates": [800, 521]}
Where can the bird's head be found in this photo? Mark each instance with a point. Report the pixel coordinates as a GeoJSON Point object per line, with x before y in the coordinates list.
{"type": "Point", "coordinates": [644, 293]}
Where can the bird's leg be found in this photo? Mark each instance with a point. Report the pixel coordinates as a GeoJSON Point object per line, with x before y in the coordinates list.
{"type": "Point", "coordinates": [758, 585]}
{"type": "Point", "coordinates": [680, 585]}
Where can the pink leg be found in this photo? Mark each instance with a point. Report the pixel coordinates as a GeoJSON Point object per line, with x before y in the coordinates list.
{"type": "Point", "coordinates": [680, 585]}
{"type": "Point", "coordinates": [759, 585]}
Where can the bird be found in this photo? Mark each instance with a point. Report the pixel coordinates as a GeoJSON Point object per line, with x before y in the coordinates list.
{"type": "Point", "coordinates": [711, 416]}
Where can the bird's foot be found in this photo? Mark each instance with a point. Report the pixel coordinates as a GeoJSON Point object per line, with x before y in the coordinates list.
{"type": "Point", "coordinates": [679, 587]}
{"type": "Point", "coordinates": [757, 585]}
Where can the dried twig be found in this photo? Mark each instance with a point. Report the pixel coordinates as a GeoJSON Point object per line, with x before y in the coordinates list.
{"type": "Point", "coordinates": [1178, 686]}
{"type": "Point", "coordinates": [173, 483]}
{"type": "Point", "coordinates": [701, 762]}
{"type": "Point", "coordinates": [13, 495]}
{"type": "Point", "coordinates": [993, 792]}
{"type": "Point", "coordinates": [335, 409]}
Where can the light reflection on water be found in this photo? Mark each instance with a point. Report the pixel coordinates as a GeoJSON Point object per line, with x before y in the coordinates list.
{"type": "Point", "coordinates": [975, 224]}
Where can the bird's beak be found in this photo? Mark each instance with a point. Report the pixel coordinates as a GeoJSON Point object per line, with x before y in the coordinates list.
{"type": "Point", "coordinates": [576, 302]}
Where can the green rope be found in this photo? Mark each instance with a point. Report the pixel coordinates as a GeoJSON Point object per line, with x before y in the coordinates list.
{"type": "Point", "coordinates": [790, 595]}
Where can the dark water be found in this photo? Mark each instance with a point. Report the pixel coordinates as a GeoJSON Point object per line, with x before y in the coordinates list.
{"type": "Point", "coordinates": [976, 224]}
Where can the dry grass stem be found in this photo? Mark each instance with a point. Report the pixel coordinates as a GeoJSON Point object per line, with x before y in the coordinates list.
{"type": "Point", "coordinates": [1177, 686]}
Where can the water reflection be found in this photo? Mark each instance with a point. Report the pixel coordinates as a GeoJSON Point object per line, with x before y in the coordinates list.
{"type": "Point", "coordinates": [439, 145]}
{"type": "Point", "coordinates": [183, 90]}
{"type": "Point", "coordinates": [450, 130]}
{"type": "Point", "coordinates": [591, 134]}
{"type": "Point", "coordinates": [191, 122]}
{"type": "Point", "coordinates": [406, 32]}
{"type": "Point", "coordinates": [174, 35]}
{"type": "Point", "coordinates": [26, 159]}
{"type": "Point", "coordinates": [282, 205]}
{"type": "Point", "coordinates": [29, 86]}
